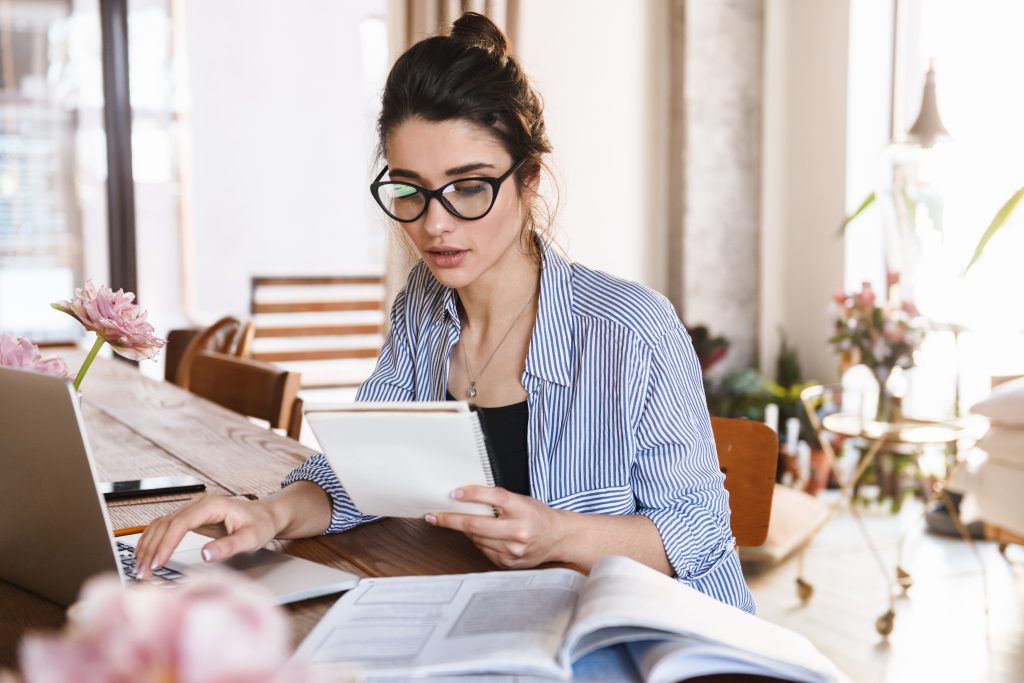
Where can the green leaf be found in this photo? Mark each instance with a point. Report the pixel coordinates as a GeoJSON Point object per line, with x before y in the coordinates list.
{"type": "Point", "coordinates": [997, 222]}
{"type": "Point", "coordinates": [868, 201]}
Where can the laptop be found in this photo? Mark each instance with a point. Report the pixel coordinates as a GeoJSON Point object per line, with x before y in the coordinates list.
{"type": "Point", "coordinates": [54, 528]}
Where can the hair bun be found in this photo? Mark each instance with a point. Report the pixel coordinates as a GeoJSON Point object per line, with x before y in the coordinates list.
{"type": "Point", "coordinates": [476, 30]}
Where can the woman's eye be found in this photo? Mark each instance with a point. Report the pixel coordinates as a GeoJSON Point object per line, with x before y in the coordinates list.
{"type": "Point", "coordinates": [469, 189]}
{"type": "Point", "coordinates": [404, 193]}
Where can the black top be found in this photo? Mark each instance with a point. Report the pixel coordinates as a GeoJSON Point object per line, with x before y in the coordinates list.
{"type": "Point", "coordinates": [506, 431]}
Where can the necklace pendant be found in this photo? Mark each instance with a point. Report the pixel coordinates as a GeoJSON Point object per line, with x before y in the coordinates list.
{"type": "Point", "coordinates": [471, 392]}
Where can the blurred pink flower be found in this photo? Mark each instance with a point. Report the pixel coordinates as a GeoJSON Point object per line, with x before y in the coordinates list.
{"type": "Point", "coordinates": [114, 318]}
{"type": "Point", "coordinates": [881, 336]}
{"type": "Point", "coordinates": [866, 296]}
{"type": "Point", "coordinates": [18, 352]}
{"type": "Point", "coordinates": [212, 630]}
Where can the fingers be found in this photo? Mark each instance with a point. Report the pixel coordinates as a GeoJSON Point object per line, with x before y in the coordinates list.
{"type": "Point", "coordinates": [243, 540]}
{"type": "Point", "coordinates": [164, 534]}
{"type": "Point", "coordinates": [494, 496]}
{"type": "Point", "coordinates": [504, 554]}
{"type": "Point", "coordinates": [471, 525]}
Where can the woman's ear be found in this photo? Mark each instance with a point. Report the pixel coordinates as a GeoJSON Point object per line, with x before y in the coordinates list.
{"type": "Point", "coordinates": [531, 185]}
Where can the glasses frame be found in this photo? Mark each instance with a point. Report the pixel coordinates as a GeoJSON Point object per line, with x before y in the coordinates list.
{"type": "Point", "coordinates": [438, 194]}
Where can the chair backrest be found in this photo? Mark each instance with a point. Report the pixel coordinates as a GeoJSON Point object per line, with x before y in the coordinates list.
{"type": "Point", "coordinates": [182, 346]}
{"type": "Point", "coordinates": [748, 455]}
{"type": "Point", "coordinates": [248, 387]}
{"type": "Point", "coordinates": [328, 327]}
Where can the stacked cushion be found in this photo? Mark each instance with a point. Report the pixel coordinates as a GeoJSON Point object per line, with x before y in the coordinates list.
{"type": "Point", "coordinates": [996, 485]}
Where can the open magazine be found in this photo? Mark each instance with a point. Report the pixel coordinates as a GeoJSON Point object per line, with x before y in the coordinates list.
{"type": "Point", "coordinates": [539, 622]}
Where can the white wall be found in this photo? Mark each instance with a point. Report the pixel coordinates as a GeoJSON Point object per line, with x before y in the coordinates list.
{"type": "Point", "coordinates": [601, 69]}
{"type": "Point", "coordinates": [804, 172]}
{"type": "Point", "coordinates": [280, 137]}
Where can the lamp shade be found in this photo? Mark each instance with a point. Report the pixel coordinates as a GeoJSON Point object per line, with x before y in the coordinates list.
{"type": "Point", "coordinates": [928, 128]}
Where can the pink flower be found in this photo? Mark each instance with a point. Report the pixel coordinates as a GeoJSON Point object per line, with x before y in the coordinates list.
{"type": "Point", "coordinates": [211, 630]}
{"type": "Point", "coordinates": [18, 352]}
{"type": "Point", "coordinates": [865, 297]}
{"type": "Point", "coordinates": [115, 319]}
{"type": "Point", "coordinates": [910, 309]}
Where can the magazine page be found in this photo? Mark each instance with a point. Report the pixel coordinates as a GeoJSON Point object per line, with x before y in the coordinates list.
{"type": "Point", "coordinates": [500, 622]}
{"type": "Point", "coordinates": [625, 601]}
{"type": "Point", "coordinates": [668, 661]}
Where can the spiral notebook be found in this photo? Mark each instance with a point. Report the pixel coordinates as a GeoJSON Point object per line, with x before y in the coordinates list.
{"type": "Point", "coordinates": [405, 459]}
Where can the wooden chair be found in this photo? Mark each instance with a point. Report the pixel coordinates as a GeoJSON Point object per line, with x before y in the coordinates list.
{"type": "Point", "coordinates": [328, 327]}
{"type": "Point", "coordinates": [249, 387]}
{"type": "Point", "coordinates": [227, 335]}
{"type": "Point", "coordinates": [748, 455]}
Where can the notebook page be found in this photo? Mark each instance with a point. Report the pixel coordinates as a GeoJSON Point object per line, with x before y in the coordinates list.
{"type": "Point", "coordinates": [405, 463]}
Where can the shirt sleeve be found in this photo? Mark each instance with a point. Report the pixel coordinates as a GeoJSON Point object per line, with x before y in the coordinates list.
{"type": "Point", "coordinates": [676, 477]}
{"type": "Point", "coordinates": [391, 381]}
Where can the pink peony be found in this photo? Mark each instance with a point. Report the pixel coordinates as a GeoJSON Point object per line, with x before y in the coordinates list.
{"type": "Point", "coordinates": [18, 352]}
{"type": "Point", "coordinates": [213, 629]}
{"type": "Point", "coordinates": [866, 296]}
{"type": "Point", "coordinates": [114, 319]}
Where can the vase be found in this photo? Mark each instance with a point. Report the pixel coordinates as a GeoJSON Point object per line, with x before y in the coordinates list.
{"type": "Point", "coordinates": [890, 406]}
{"type": "Point", "coordinates": [820, 471]}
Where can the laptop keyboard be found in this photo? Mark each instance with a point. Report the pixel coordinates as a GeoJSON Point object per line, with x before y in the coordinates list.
{"type": "Point", "coordinates": [161, 577]}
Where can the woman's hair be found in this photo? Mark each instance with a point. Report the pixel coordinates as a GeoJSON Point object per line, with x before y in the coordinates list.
{"type": "Point", "coordinates": [470, 75]}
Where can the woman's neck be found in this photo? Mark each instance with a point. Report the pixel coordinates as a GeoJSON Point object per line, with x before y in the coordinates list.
{"type": "Point", "coordinates": [499, 295]}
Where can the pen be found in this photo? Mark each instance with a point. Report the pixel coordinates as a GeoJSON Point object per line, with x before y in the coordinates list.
{"type": "Point", "coordinates": [128, 530]}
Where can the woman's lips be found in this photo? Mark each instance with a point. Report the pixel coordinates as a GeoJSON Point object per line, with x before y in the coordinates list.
{"type": "Point", "coordinates": [447, 258]}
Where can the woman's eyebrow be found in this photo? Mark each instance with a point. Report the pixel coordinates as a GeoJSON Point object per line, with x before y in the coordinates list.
{"type": "Point", "coordinates": [466, 168]}
{"type": "Point", "coordinates": [458, 170]}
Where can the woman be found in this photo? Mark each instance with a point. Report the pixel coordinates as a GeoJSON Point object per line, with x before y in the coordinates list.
{"type": "Point", "coordinates": [590, 385]}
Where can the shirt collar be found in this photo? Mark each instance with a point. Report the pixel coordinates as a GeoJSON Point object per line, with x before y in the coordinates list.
{"type": "Point", "coordinates": [551, 344]}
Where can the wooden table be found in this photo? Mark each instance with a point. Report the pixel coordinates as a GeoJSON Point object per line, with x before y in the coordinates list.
{"type": "Point", "coordinates": [140, 427]}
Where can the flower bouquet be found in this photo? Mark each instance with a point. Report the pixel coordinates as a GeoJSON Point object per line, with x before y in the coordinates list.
{"type": "Point", "coordinates": [880, 336]}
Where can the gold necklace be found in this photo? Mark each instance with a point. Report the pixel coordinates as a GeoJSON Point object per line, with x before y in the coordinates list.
{"type": "Point", "coordinates": [471, 389]}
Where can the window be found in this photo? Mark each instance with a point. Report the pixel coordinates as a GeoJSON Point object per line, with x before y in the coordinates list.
{"type": "Point", "coordinates": [955, 188]}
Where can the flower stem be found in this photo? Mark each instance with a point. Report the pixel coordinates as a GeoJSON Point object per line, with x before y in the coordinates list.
{"type": "Point", "coordinates": [88, 361]}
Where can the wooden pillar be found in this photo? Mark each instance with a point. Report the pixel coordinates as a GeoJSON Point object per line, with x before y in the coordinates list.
{"type": "Point", "coordinates": [117, 113]}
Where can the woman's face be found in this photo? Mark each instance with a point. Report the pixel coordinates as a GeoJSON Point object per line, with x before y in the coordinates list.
{"type": "Point", "coordinates": [433, 154]}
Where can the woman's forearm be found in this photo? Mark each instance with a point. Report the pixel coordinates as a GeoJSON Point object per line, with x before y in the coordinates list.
{"type": "Point", "coordinates": [299, 510]}
{"type": "Point", "coordinates": [588, 538]}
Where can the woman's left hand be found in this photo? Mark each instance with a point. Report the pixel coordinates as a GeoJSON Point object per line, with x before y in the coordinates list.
{"type": "Point", "coordinates": [525, 533]}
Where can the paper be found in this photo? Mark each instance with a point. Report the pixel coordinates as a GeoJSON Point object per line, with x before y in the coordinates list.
{"type": "Point", "coordinates": [502, 622]}
{"type": "Point", "coordinates": [398, 462]}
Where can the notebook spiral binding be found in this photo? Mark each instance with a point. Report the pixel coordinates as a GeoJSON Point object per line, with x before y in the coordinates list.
{"type": "Point", "coordinates": [488, 459]}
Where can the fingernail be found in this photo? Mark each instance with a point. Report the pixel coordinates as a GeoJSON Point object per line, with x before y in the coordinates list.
{"type": "Point", "coordinates": [155, 565]}
{"type": "Point", "coordinates": [431, 519]}
{"type": "Point", "coordinates": [457, 494]}
{"type": "Point", "coordinates": [209, 555]}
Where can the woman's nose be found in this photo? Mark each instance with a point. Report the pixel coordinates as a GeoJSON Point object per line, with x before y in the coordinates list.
{"type": "Point", "coordinates": [437, 220]}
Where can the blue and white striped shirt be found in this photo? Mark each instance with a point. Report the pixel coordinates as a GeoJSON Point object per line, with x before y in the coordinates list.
{"type": "Point", "coordinates": [618, 421]}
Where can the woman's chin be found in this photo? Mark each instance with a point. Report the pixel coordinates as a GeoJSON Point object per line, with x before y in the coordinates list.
{"type": "Point", "coordinates": [453, 278]}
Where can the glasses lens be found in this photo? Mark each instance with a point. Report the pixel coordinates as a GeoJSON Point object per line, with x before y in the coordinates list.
{"type": "Point", "coordinates": [402, 201]}
{"type": "Point", "coordinates": [469, 198]}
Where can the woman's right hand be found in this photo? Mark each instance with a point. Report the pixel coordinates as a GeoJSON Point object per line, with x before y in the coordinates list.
{"type": "Point", "coordinates": [250, 525]}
